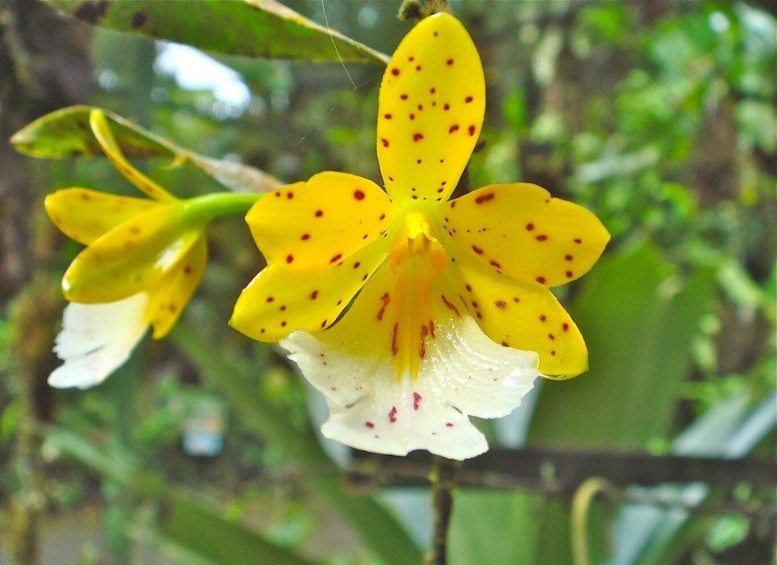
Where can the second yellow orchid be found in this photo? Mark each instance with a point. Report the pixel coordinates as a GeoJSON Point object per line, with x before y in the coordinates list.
{"type": "Point", "coordinates": [143, 261]}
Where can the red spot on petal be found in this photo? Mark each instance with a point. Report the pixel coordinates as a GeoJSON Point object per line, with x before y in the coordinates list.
{"type": "Point", "coordinates": [495, 264]}
{"type": "Point", "coordinates": [432, 90]}
{"type": "Point", "coordinates": [403, 96]}
{"type": "Point", "coordinates": [446, 107]}
{"type": "Point", "coordinates": [578, 240]}
{"type": "Point", "coordinates": [305, 236]}
{"type": "Point", "coordinates": [418, 136]}
{"type": "Point", "coordinates": [477, 250]}
{"type": "Point", "coordinates": [358, 195]}
{"type": "Point", "coordinates": [395, 71]}
{"type": "Point", "coordinates": [565, 327]}
{"type": "Point", "coordinates": [471, 130]}
{"type": "Point", "coordinates": [418, 67]}
{"type": "Point", "coordinates": [453, 128]}
{"type": "Point", "coordinates": [448, 424]}
{"type": "Point", "coordinates": [369, 425]}
{"type": "Point", "coordinates": [541, 237]}
{"type": "Point", "coordinates": [449, 62]}
{"type": "Point", "coordinates": [543, 318]}
{"type": "Point", "coordinates": [529, 226]}
{"type": "Point", "coordinates": [290, 195]}
{"type": "Point", "coordinates": [416, 400]}
{"type": "Point", "coordinates": [569, 274]}
{"type": "Point", "coordinates": [551, 337]}
{"type": "Point", "coordinates": [484, 198]}
{"type": "Point", "coordinates": [289, 258]}
{"type": "Point", "coordinates": [387, 116]}
{"type": "Point", "coordinates": [568, 257]}
{"type": "Point", "coordinates": [270, 299]}
{"type": "Point", "coordinates": [336, 258]}
{"type": "Point", "coordinates": [501, 304]}
{"type": "Point", "coordinates": [540, 280]}
{"type": "Point", "coordinates": [468, 99]}
{"type": "Point", "coordinates": [392, 415]}
{"type": "Point", "coordinates": [314, 295]}
{"type": "Point", "coordinates": [319, 213]}
{"type": "Point", "coordinates": [384, 142]}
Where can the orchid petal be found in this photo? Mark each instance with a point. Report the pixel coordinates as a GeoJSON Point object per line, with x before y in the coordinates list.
{"type": "Point", "coordinates": [461, 372]}
{"type": "Point", "coordinates": [519, 230]}
{"type": "Point", "coordinates": [280, 300]}
{"type": "Point", "coordinates": [176, 288]}
{"type": "Point", "coordinates": [316, 224]}
{"type": "Point", "coordinates": [520, 315]}
{"type": "Point", "coordinates": [84, 215]}
{"type": "Point", "coordinates": [130, 258]}
{"type": "Point", "coordinates": [96, 339]}
{"type": "Point", "coordinates": [430, 110]}
{"type": "Point", "coordinates": [102, 132]}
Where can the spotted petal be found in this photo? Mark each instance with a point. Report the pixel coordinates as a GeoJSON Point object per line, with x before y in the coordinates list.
{"type": "Point", "coordinates": [430, 110]}
{"type": "Point", "coordinates": [175, 289]}
{"type": "Point", "coordinates": [84, 215]}
{"type": "Point", "coordinates": [280, 300]}
{"type": "Point", "coordinates": [461, 373]}
{"type": "Point", "coordinates": [519, 230]}
{"type": "Point", "coordinates": [96, 339]}
{"type": "Point", "coordinates": [313, 225]}
{"type": "Point", "coordinates": [130, 258]}
{"type": "Point", "coordinates": [521, 315]}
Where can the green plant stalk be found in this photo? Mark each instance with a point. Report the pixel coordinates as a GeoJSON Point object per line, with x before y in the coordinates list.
{"type": "Point", "coordinates": [443, 477]}
{"type": "Point", "coordinates": [236, 382]}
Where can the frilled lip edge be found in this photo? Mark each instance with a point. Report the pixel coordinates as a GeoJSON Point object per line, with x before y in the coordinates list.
{"type": "Point", "coordinates": [464, 374]}
{"type": "Point", "coordinates": [96, 339]}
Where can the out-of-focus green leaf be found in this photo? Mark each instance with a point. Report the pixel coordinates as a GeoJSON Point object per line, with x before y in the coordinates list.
{"type": "Point", "coordinates": [638, 321]}
{"type": "Point", "coordinates": [66, 133]}
{"type": "Point", "coordinates": [204, 533]}
{"type": "Point", "coordinates": [189, 525]}
{"type": "Point", "coordinates": [496, 528]}
{"type": "Point", "coordinates": [252, 28]}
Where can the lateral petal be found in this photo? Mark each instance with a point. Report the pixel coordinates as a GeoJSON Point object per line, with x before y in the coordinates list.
{"type": "Point", "coordinates": [175, 289]}
{"type": "Point", "coordinates": [316, 224]}
{"type": "Point", "coordinates": [519, 230]}
{"type": "Point", "coordinates": [520, 315]}
{"type": "Point", "coordinates": [430, 110]}
{"type": "Point", "coordinates": [280, 300]}
{"type": "Point", "coordinates": [84, 215]}
{"type": "Point", "coordinates": [130, 258]}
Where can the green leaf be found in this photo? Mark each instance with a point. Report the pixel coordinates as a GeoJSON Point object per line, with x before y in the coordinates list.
{"type": "Point", "coordinates": [251, 28]}
{"type": "Point", "coordinates": [208, 535]}
{"type": "Point", "coordinates": [496, 528]}
{"type": "Point", "coordinates": [66, 133]}
{"type": "Point", "coordinates": [638, 320]}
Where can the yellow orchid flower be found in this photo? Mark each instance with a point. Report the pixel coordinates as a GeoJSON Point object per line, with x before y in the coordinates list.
{"type": "Point", "coordinates": [143, 261]}
{"type": "Point", "coordinates": [410, 312]}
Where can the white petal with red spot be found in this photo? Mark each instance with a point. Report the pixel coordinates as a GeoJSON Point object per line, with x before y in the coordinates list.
{"type": "Point", "coordinates": [463, 374]}
{"type": "Point", "coordinates": [96, 339]}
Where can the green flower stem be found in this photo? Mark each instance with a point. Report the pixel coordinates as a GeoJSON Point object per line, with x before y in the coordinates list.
{"type": "Point", "coordinates": [443, 477]}
{"type": "Point", "coordinates": [209, 206]}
